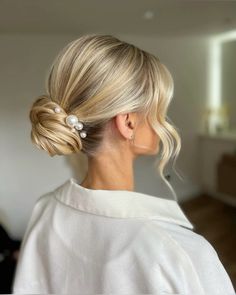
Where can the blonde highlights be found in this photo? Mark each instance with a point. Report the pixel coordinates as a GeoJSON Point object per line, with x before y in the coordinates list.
{"type": "Point", "coordinates": [97, 77]}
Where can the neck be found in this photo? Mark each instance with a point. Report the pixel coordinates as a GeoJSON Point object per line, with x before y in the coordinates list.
{"type": "Point", "coordinates": [109, 173]}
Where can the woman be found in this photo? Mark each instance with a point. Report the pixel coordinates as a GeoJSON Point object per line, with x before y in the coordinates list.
{"type": "Point", "coordinates": [108, 99]}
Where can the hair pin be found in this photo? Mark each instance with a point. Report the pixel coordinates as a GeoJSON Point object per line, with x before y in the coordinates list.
{"type": "Point", "coordinates": [73, 121]}
{"type": "Point", "coordinates": [57, 110]}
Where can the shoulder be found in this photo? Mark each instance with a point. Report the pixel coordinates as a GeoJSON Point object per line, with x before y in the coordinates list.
{"type": "Point", "coordinates": [31, 242]}
{"type": "Point", "coordinates": [44, 199]}
{"type": "Point", "coordinates": [192, 251]}
{"type": "Point", "coordinates": [41, 206]}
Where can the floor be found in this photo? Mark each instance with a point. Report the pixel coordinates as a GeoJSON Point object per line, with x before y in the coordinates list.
{"type": "Point", "coordinates": [215, 221]}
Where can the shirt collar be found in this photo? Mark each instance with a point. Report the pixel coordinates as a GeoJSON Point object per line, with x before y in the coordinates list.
{"type": "Point", "coordinates": [120, 203]}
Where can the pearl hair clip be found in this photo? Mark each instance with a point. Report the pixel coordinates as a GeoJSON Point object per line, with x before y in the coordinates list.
{"type": "Point", "coordinates": [73, 122]}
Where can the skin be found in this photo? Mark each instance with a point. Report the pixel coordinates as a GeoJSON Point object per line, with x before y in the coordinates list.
{"type": "Point", "coordinates": [112, 168]}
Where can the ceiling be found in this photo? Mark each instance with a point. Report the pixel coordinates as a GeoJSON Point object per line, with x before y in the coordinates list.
{"type": "Point", "coordinates": [171, 17]}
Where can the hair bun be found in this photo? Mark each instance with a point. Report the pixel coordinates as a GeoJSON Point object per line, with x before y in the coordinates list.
{"type": "Point", "coordinates": [49, 130]}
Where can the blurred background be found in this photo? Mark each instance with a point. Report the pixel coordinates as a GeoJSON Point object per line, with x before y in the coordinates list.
{"type": "Point", "coordinates": [196, 40]}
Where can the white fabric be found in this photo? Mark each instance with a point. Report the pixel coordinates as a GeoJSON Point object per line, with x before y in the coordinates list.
{"type": "Point", "coordinates": [85, 241]}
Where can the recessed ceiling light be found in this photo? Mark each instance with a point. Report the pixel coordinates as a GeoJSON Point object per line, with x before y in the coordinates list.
{"type": "Point", "coordinates": [148, 14]}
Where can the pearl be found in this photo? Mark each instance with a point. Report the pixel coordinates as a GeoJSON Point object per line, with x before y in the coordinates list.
{"type": "Point", "coordinates": [83, 134]}
{"type": "Point", "coordinates": [79, 126]}
{"type": "Point", "coordinates": [57, 110]}
{"type": "Point", "coordinates": [71, 120]}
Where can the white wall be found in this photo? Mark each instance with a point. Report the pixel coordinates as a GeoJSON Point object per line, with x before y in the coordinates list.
{"type": "Point", "coordinates": [228, 62]}
{"type": "Point", "coordinates": [27, 172]}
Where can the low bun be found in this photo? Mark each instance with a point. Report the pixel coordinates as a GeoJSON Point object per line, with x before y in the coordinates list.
{"type": "Point", "coordinates": [49, 129]}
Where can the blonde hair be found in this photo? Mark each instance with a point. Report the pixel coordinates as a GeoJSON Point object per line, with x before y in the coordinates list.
{"type": "Point", "coordinates": [96, 77]}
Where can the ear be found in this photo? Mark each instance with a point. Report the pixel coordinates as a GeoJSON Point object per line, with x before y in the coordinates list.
{"type": "Point", "coordinates": [125, 124]}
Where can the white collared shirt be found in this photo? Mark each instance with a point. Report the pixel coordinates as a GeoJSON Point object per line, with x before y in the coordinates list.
{"type": "Point", "coordinates": [85, 241]}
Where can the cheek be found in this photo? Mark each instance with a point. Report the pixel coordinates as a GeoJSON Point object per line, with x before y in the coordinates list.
{"type": "Point", "coordinates": [148, 134]}
{"type": "Point", "coordinates": [156, 139]}
{"type": "Point", "coordinates": [152, 137]}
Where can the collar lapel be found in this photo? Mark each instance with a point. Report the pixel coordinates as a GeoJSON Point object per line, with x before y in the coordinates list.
{"type": "Point", "coordinates": [121, 203]}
